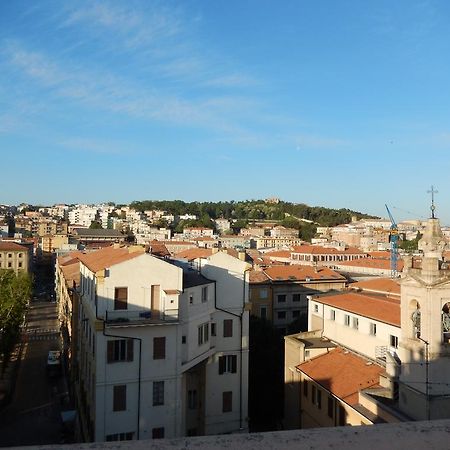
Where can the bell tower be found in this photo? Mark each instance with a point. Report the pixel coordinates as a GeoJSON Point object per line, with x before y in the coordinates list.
{"type": "Point", "coordinates": [424, 348]}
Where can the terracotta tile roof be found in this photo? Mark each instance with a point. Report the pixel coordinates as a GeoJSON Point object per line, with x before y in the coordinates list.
{"type": "Point", "coordinates": [193, 253]}
{"type": "Point", "coordinates": [70, 258]}
{"type": "Point", "coordinates": [177, 243]}
{"type": "Point", "coordinates": [279, 254]}
{"type": "Point", "coordinates": [380, 254]}
{"type": "Point", "coordinates": [258, 276]}
{"type": "Point", "coordinates": [71, 273]}
{"type": "Point", "coordinates": [385, 286]}
{"type": "Point", "coordinates": [342, 373]}
{"type": "Point", "coordinates": [107, 257]}
{"type": "Point", "coordinates": [158, 248]}
{"type": "Point", "coordinates": [12, 247]}
{"type": "Point", "coordinates": [317, 249]}
{"type": "Point", "coordinates": [383, 309]}
{"type": "Point", "coordinates": [203, 239]}
{"type": "Point", "coordinates": [384, 264]}
{"type": "Point", "coordinates": [300, 273]}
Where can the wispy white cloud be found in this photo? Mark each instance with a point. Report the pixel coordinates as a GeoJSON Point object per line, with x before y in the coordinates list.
{"type": "Point", "coordinates": [305, 142]}
{"type": "Point", "coordinates": [96, 145]}
{"type": "Point", "coordinates": [110, 93]}
{"type": "Point", "coordinates": [135, 27]}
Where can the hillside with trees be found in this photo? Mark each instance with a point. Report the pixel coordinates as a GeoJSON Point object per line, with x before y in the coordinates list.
{"type": "Point", "coordinates": [303, 217]}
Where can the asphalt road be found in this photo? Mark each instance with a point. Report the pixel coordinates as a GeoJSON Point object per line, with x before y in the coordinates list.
{"type": "Point", "coordinates": [33, 415]}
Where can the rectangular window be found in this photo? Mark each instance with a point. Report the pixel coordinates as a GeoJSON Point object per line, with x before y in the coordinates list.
{"type": "Point", "coordinates": [120, 437]}
{"type": "Point", "coordinates": [192, 399]}
{"type": "Point", "coordinates": [281, 298]}
{"type": "Point", "coordinates": [191, 299]}
{"type": "Point", "coordinates": [213, 329]}
{"type": "Point", "coordinates": [120, 298]}
{"type": "Point", "coordinates": [330, 406]}
{"type": "Point", "coordinates": [373, 329]}
{"type": "Point", "coordinates": [204, 294]}
{"type": "Point", "coordinates": [393, 341]}
{"type": "Point", "coordinates": [316, 308]}
{"type": "Point", "coordinates": [355, 323]}
{"type": "Point", "coordinates": [313, 394]}
{"type": "Point", "coordinates": [158, 433]}
{"type": "Point", "coordinates": [120, 397]}
{"type": "Point", "coordinates": [347, 320]}
{"type": "Point", "coordinates": [159, 348]}
{"type": "Point", "coordinates": [120, 350]}
{"type": "Point", "coordinates": [319, 398]}
{"type": "Point", "coordinates": [227, 364]}
{"type": "Point", "coordinates": [305, 388]}
{"type": "Point", "coordinates": [263, 293]}
{"type": "Point", "coordinates": [203, 334]}
{"type": "Point", "coordinates": [228, 328]}
{"type": "Point", "coordinates": [20, 265]}
{"type": "Point", "coordinates": [281, 314]}
{"type": "Point", "coordinates": [295, 297]}
{"type": "Point", "coordinates": [158, 393]}
{"type": "Point", "coordinates": [263, 312]}
{"type": "Point", "coordinates": [295, 313]}
{"type": "Point", "coordinates": [332, 314]}
{"type": "Point", "coordinates": [227, 401]}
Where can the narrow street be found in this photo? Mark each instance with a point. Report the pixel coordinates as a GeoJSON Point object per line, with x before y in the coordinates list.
{"type": "Point", "coordinates": [33, 415]}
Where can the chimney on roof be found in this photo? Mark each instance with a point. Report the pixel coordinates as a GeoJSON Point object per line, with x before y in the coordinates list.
{"type": "Point", "coordinates": [241, 255]}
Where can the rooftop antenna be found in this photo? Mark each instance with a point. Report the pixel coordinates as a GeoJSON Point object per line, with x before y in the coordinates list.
{"type": "Point", "coordinates": [433, 208]}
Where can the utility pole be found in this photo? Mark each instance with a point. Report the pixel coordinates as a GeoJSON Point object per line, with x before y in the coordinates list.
{"type": "Point", "coordinates": [427, 383]}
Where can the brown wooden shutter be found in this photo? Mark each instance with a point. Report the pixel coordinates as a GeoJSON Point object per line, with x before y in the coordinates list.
{"type": "Point", "coordinates": [228, 328]}
{"type": "Point", "coordinates": [159, 348]}
{"type": "Point", "coordinates": [130, 348]}
{"type": "Point", "coordinates": [110, 352]}
{"type": "Point", "coordinates": [120, 397]}
{"type": "Point", "coordinates": [227, 401]}
{"type": "Point", "coordinates": [121, 298]}
{"type": "Point", "coordinates": [233, 364]}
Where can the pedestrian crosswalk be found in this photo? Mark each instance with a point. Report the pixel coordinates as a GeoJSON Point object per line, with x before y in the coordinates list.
{"type": "Point", "coordinates": [41, 334]}
{"type": "Point", "coordinates": [42, 337]}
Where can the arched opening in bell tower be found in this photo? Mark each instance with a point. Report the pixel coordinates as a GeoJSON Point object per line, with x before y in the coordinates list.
{"type": "Point", "coordinates": [414, 314]}
{"type": "Point", "coordinates": [446, 323]}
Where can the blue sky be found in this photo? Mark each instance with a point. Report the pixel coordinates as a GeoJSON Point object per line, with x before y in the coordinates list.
{"type": "Point", "coordinates": [332, 103]}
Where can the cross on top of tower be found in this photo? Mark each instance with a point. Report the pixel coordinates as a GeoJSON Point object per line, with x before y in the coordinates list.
{"type": "Point", "coordinates": [432, 191]}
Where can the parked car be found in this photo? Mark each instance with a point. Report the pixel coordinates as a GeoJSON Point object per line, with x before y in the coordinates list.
{"type": "Point", "coordinates": [54, 363]}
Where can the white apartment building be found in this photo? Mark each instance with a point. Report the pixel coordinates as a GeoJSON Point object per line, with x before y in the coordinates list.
{"type": "Point", "coordinates": [83, 215]}
{"type": "Point", "coordinates": [163, 351]}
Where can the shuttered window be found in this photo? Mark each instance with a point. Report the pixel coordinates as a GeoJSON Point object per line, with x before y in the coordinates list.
{"type": "Point", "coordinates": [158, 393]}
{"type": "Point", "coordinates": [228, 328]}
{"type": "Point", "coordinates": [227, 364]}
{"type": "Point", "coordinates": [120, 350]}
{"type": "Point", "coordinates": [227, 401]}
{"type": "Point", "coordinates": [159, 348]}
{"type": "Point", "coordinates": [120, 397]}
{"type": "Point", "coordinates": [158, 433]}
{"type": "Point", "coordinates": [121, 298]}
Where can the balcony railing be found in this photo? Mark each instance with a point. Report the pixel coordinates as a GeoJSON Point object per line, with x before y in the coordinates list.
{"type": "Point", "coordinates": [125, 316]}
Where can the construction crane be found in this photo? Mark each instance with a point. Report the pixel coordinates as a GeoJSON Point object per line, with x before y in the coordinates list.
{"type": "Point", "coordinates": [393, 238]}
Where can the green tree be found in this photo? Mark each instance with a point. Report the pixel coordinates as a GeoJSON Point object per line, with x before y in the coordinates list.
{"type": "Point", "coordinates": [95, 225]}
{"type": "Point", "coordinates": [15, 293]}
